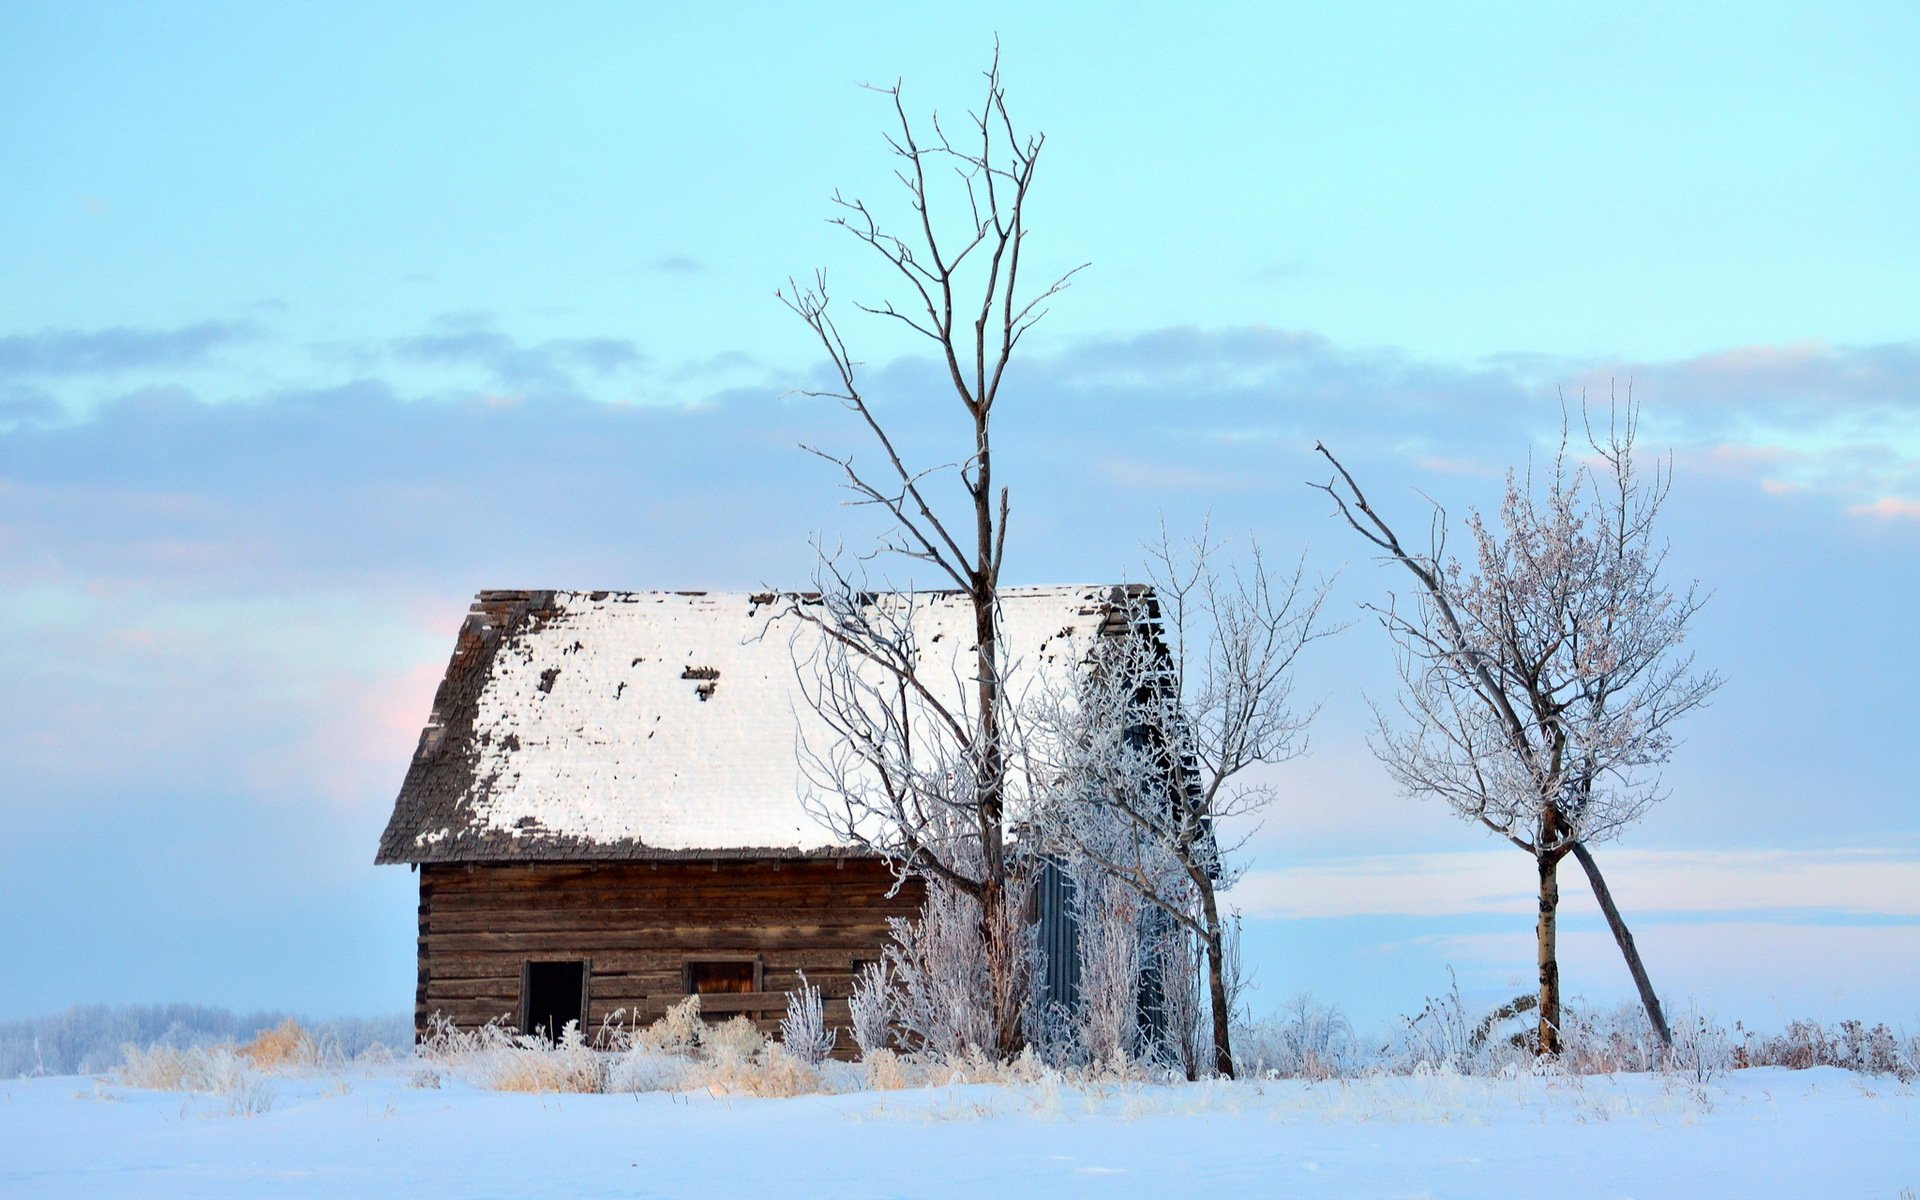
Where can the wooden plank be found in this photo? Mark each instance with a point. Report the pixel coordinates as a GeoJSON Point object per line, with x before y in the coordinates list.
{"type": "Point", "coordinates": [822, 896]}
{"type": "Point", "coordinates": [544, 920]}
{"type": "Point", "coordinates": [720, 1004]}
{"type": "Point", "coordinates": [692, 940]}
{"type": "Point", "coordinates": [453, 881]}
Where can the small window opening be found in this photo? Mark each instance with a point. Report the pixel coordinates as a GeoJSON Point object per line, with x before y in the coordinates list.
{"type": "Point", "coordinates": [552, 994]}
{"type": "Point", "coordinates": [727, 975]}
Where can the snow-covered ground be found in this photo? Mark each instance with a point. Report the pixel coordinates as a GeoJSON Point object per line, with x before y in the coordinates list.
{"type": "Point", "coordinates": [363, 1132]}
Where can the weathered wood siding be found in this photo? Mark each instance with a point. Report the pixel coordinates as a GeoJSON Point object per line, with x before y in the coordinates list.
{"type": "Point", "coordinates": [637, 925]}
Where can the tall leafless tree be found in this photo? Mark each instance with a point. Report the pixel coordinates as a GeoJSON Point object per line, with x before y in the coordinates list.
{"type": "Point", "coordinates": [1157, 737]}
{"type": "Point", "coordinates": [1541, 681]}
{"type": "Point", "coordinates": [940, 746]}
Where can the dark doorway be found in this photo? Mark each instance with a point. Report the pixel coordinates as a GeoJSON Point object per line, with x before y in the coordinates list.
{"type": "Point", "coordinates": [552, 994]}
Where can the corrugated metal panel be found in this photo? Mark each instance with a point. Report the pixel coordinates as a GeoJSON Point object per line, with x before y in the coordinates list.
{"type": "Point", "coordinates": [1059, 938]}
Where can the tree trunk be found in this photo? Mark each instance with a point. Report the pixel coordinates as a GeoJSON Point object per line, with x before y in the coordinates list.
{"type": "Point", "coordinates": [1547, 935]}
{"type": "Point", "coordinates": [1621, 935]}
{"type": "Point", "coordinates": [1006, 977]}
{"type": "Point", "coordinates": [1218, 1000]}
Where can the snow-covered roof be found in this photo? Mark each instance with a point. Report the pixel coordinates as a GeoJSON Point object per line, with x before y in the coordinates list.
{"type": "Point", "coordinates": [632, 725]}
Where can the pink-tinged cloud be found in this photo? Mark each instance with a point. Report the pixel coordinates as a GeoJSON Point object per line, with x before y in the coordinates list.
{"type": "Point", "coordinates": [1889, 508]}
{"type": "Point", "coordinates": [360, 734]}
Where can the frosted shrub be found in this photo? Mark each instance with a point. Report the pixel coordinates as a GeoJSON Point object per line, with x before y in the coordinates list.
{"type": "Point", "coordinates": [1107, 1018]}
{"type": "Point", "coordinates": [871, 1005]}
{"type": "Point", "coordinates": [804, 1030]}
{"type": "Point", "coordinates": [1855, 1045]}
{"type": "Point", "coordinates": [165, 1069]}
{"type": "Point", "coordinates": [642, 1070]}
{"type": "Point", "coordinates": [532, 1064]}
{"type": "Point", "coordinates": [1307, 1040]}
{"type": "Point", "coordinates": [209, 1072]}
{"type": "Point", "coordinates": [734, 1040]}
{"type": "Point", "coordinates": [1184, 1040]}
{"type": "Point", "coordinates": [778, 1073]}
{"type": "Point", "coordinates": [495, 1057]}
{"type": "Point", "coordinates": [1600, 1042]}
{"type": "Point", "coordinates": [1443, 1035]}
{"type": "Point", "coordinates": [883, 1070]}
{"type": "Point", "coordinates": [1439, 1035]}
{"type": "Point", "coordinates": [679, 1032]}
{"type": "Point", "coordinates": [940, 964]}
{"type": "Point", "coordinates": [1701, 1048]}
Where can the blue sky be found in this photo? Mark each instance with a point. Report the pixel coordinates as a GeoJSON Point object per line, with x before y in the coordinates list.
{"type": "Point", "coordinates": [319, 318]}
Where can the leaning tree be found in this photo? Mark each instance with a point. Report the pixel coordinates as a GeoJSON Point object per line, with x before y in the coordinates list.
{"type": "Point", "coordinates": [1541, 679]}
{"type": "Point", "coordinates": [922, 756]}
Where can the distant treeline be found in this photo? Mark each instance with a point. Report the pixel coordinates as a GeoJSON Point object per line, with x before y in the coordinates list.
{"type": "Point", "coordinates": [88, 1038]}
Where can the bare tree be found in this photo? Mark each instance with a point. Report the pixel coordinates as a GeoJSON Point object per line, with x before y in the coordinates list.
{"type": "Point", "coordinates": [1159, 732]}
{"type": "Point", "coordinates": [1541, 681]}
{"type": "Point", "coordinates": [935, 746]}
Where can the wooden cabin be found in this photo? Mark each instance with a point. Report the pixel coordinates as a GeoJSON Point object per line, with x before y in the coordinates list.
{"type": "Point", "coordinates": [607, 809]}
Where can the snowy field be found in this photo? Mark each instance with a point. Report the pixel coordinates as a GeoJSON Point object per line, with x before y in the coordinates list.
{"type": "Point", "coordinates": [364, 1132]}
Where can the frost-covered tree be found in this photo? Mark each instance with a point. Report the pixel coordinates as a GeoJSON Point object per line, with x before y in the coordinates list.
{"type": "Point", "coordinates": [920, 767]}
{"type": "Point", "coordinates": [1150, 752]}
{"type": "Point", "coordinates": [1541, 678]}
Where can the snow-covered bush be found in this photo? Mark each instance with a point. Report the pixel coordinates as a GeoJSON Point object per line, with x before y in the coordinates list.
{"type": "Point", "coordinates": [679, 1032]}
{"type": "Point", "coordinates": [216, 1071]}
{"type": "Point", "coordinates": [883, 1070]}
{"type": "Point", "coordinates": [1184, 1038]}
{"type": "Point", "coordinates": [803, 1031]}
{"type": "Point", "coordinates": [641, 1070]}
{"type": "Point", "coordinates": [496, 1057]}
{"type": "Point", "coordinates": [1107, 920]}
{"type": "Point", "coordinates": [1701, 1048]}
{"type": "Point", "coordinates": [1444, 1036]}
{"type": "Point", "coordinates": [1855, 1045]}
{"type": "Point", "coordinates": [1605, 1041]}
{"type": "Point", "coordinates": [1306, 1039]}
{"type": "Point", "coordinates": [939, 965]}
{"type": "Point", "coordinates": [871, 1006]}
{"type": "Point", "coordinates": [734, 1040]}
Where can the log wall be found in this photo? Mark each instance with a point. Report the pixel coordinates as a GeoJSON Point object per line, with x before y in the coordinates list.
{"type": "Point", "coordinates": [638, 924]}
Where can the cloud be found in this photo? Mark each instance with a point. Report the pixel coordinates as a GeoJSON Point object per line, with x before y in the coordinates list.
{"type": "Point", "coordinates": [356, 483]}
{"type": "Point", "coordinates": [24, 403]}
{"type": "Point", "coordinates": [678, 264]}
{"type": "Point", "coordinates": [67, 352]}
{"type": "Point", "coordinates": [548, 368]}
{"type": "Point", "coordinates": [1889, 508]}
{"type": "Point", "coordinates": [1855, 882]}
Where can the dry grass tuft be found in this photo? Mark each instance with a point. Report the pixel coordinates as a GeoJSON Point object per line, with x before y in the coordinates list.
{"type": "Point", "coordinates": [882, 1071]}
{"type": "Point", "coordinates": [679, 1032]}
{"type": "Point", "coordinates": [207, 1072]}
{"type": "Point", "coordinates": [285, 1045]}
{"type": "Point", "coordinates": [735, 1040]}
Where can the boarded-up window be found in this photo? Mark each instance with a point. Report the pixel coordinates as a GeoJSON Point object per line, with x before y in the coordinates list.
{"type": "Point", "coordinates": [708, 976]}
